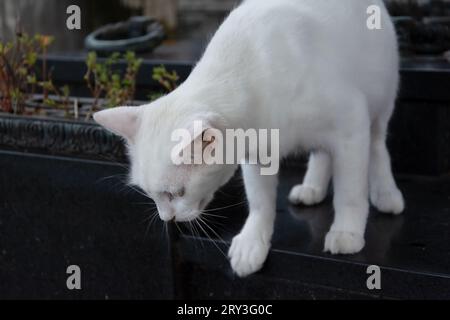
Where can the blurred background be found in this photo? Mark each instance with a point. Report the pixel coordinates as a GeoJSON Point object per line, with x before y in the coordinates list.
{"type": "Point", "coordinates": [190, 23]}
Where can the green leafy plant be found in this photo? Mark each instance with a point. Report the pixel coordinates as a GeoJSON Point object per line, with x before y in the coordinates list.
{"type": "Point", "coordinates": [18, 69]}
{"type": "Point", "coordinates": [62, 94]}
{"type": "Point", "coordinates": [104, 80]}
{"type": "Point", "coordinates": [167, 80]}
{"type": "Point", "coordinates": [109, 85]}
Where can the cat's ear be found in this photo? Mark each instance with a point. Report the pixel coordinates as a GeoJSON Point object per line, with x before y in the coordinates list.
{"type": "Point", "coordinates": [202, 126]}
{"type": "Point", "coordinates": [205, 132]}
{"type": "Point", "coordinates": [122, 121]}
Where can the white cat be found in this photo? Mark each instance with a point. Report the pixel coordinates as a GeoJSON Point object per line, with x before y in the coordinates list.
{"type": "Point", "coordinates": [311, 68]}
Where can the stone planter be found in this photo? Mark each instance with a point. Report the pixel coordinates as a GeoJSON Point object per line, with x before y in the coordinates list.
{"type": "Point", "coordinates": [419, 136]}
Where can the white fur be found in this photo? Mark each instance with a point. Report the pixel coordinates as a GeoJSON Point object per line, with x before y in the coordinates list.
{"type": "Point", "coordinates": [310, 68]}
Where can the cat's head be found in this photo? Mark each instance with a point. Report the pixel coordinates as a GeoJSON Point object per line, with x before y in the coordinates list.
{"type": "Point", "coordinates": [180, 191]}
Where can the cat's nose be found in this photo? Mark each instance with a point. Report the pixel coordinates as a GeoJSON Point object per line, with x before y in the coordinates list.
{"type": "Point", "coordinates": [167, 218]}
{"type": "Point", "coordinates": [166, 211]}
{"type": "Point", "coordinates": [167, 215]}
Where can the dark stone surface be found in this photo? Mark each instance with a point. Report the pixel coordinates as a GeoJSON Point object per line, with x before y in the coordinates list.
{"type": "Point", "coordinates": [412, 251]}
{"type": "Point", "coordinates": [56, 212]}
{"type": "Point", "coordinates": [419, 137]}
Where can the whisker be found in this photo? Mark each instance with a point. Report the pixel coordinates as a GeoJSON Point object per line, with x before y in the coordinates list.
{"type": "Point", "coordinates": [213, 231]}
{"type": "Point", "coordinates": [226, 207]}
{"type": "Point", "coordinates": [213, 222]}
{"type": "Point", "coordinates": [197, 233]}
{"type": "Point", "coordinates": [142, 193]}
{"type": "Point", "coordinates": [110, 178]}
{"type": "Point", "coordinates": [209, 237]}
{"type": "Point", "coordinates": [213, 215]}
{"type": "Point", "coordinates": [191, 229]}
{"type": "Point", "coordinates": [152, 220]}
{"type": "Point", "coordinates": [178, 227]}
{"type": "Point", "coordinates": [166, 229]}
{"type": "Point", "coordinates": [152, 215]}
{"type": "Point", "coordinates": [162, 229]}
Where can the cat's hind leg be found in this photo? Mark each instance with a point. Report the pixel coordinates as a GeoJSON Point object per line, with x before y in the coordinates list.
{"type": "Point", "coordinates": [350, 163]}
{"type": "Point", "coordinates": [384, 193]}
{"type": "Point", "coordinates": [249, 249]}
{"type": "Point", "coordinates": [314, 188]}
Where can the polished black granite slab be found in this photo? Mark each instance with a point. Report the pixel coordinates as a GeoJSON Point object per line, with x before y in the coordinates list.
{"type": "Point", "coordinates": [55, 212]}
{"type": "Point", "coordinates": [412, 250]}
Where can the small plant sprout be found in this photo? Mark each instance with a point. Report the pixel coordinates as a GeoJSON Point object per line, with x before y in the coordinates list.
{"type": "Point", "coordinates": [167, 80]}
{"type": "Point", "coordinates": [110, 85]}
{"type": "Point", "coordinates": [17, 71]}
{"type": "Point", "coordinates": [104, 80]}
{"type": "Point", "coordinates": [62, 94]}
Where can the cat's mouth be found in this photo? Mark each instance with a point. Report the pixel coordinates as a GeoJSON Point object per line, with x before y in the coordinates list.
{"type": "Point", "coordinates": [194, 213]}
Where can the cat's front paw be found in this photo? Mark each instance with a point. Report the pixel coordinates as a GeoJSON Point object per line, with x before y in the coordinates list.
{"type": "Point", "coordinates": [247, 254]}
{"type": "Point", "coordinates": [387, 200]}
{"type": "Point", "coordinates": [303, 194]}
{"type": "Point", "coordinates": [342, 242]}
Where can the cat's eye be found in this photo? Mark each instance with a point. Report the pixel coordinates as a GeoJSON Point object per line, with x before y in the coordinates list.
{"type": "Point", "coordinates": [171, 196]}
{"type": "Point", "coordinates": [180, 193]}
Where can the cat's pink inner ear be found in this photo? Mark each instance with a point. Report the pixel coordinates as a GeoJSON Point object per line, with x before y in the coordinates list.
{"type": "Point", "coordinates": [122, 121]}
